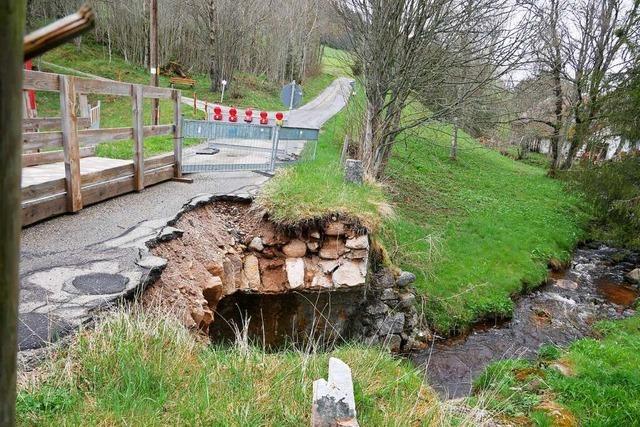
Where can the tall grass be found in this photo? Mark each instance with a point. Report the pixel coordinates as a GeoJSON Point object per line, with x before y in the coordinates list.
{"type": "Point", "coordinates": [143, 369]}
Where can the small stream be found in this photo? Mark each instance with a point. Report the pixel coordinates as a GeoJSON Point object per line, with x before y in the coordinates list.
{"type": "Point", "coordinates": [563, 310]}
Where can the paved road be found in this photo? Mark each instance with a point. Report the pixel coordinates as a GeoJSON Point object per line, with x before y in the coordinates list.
{"type": "Point", "coordinates": [73, 265]}
{"type": "Point", "coordinates": [311, 115]}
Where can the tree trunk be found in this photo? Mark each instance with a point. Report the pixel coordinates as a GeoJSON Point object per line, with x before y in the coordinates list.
{"type": "Point", "coordinates": [454, 141]}
{"type": "Point", "coordinates": [12, 20]}
{"type": "Point", "coordinates": [213, 69]}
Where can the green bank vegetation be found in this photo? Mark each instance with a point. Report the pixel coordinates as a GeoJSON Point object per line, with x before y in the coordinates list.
{"type": "Point", "coordinates": [594, 382]}
{"type": "Point", "coordinates": [141, 369]}
{"type": "Point", "coordinates": [476, 231]}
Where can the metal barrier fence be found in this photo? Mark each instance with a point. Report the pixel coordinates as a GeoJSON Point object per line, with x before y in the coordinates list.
{"type": "Point", "coordinates": [227, 146]}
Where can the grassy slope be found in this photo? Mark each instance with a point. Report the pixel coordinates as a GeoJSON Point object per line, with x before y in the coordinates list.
{"type": "Point", "coordinates": [604, 389]}
{"type": "Point", "coordinates": [248, 90]}
{"type": "Point", "coordinates": [478, 229]}
{"type": "Point", "coordinates": [145, 370]}
{"type": "Point", "coordinates": [288, 198]}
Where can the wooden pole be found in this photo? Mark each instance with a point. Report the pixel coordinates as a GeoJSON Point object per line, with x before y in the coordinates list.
{"type": "Point", "coordinates": [70, 142]}
{"type": "Point", "coordinates": [153, 58]}
{"type": "Point", "coordinates": [58, 32]}
{"type": "Point", "coordinates": [177, 133]}
{"type": "Point", "coordinates": [12, 18]}
{"type": "Point", "coordinates": [138, 137]}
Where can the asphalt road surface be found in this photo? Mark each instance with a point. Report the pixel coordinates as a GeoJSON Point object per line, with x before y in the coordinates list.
{"type": "Point", "coordinates": [74, 264]}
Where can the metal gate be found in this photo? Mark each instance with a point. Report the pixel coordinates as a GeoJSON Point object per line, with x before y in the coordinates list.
{"type": "Point", "coordinates": [221, 146]}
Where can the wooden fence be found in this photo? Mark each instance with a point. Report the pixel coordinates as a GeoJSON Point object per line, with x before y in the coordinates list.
{"type": "Point", "coordinates": [75, 190]}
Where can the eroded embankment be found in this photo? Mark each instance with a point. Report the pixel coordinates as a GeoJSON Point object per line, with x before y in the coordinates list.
{"type": "Point", "coordinates": [230, 268]}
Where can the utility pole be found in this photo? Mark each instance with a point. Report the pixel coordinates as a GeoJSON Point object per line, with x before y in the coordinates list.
{"type": "Point", "coordinates": [12, 19]}
{"type": "Point", "coordinates": [153, 58]}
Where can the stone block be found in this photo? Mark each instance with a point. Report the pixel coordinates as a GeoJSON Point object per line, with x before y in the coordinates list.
{"type": "Point", "coordinates": [359, 242]}
{"type": "Point", "coordinates": [332, 249]}
{"type": "Point", "coordinates": [348, 274]}
{"type": "Point", "coordinates": [334, 228]}
{"type": "Point", "coordinates": [295, 272]}
{"type": "Point", "coordinates": [405, 279]}
{"type": "Point", "coordinates": [353, 171]}
{"type": "Point", "coordinates": [295, 249]}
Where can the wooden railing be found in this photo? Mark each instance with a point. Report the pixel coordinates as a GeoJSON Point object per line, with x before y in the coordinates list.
{"type": "Point", "coordinates": [75, 140]}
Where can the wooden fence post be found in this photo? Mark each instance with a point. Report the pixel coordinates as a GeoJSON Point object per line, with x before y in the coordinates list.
{"type": "Point", "coordinates": [177, 133]}
{"type": "Point", "coordinates": [138, 137]}
{"type": "Point", "coordinates": [11, 57]}
{"type": "Point", "coordinates": [84, 105]}
{"type": "Point", "coordinates": [70, 143]}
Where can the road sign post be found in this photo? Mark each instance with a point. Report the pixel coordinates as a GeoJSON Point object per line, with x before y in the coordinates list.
{"type": "Point", "coordinates": [224, 84]}
{"type": "Point", "coordinates": [291, 95]}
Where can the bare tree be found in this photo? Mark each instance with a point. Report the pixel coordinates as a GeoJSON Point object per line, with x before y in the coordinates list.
{"type": "Point", "coordinates": [600, 28]}
{"type": "Point", "coordinates": [277, 39]}
{"type": "Point", "coordinates": [427, 50]}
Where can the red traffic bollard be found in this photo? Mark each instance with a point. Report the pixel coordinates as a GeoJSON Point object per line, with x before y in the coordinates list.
{"type": "Point", "coordinates": [233, 115]}
{"type": "Point", "coordinates": [248, 115]}
{"type": "Point", "coordinates": [264, 118]}
{"type": "Point", "coordinates": [279, 117]}
{"type": "Point", "coordinates": [217, 113]}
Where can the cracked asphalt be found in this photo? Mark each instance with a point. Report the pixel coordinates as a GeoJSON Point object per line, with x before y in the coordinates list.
{"type": "Point", "coordinates": [77, 264]}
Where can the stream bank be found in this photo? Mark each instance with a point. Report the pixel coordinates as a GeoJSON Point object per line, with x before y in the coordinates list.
{"type": "Point", "coordinates": [593, 288]}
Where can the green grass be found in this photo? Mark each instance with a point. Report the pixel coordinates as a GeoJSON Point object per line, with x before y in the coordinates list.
{"type": "Point", "coordinates": [317, 189]}
{"type": "Point", "coordinates": [137, 369]}
{"type": "Point", "coordinates": [476, 230]}
{"type": "Point", "coordinates": [247, 90]}
{"type": "Point", "coordinates": [337, 62]}
{"type": "Point", "coordinates": [603, 390]}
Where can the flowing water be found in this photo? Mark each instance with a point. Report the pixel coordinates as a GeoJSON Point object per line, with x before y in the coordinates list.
{"type": "Point", "coordinates": [563, 310]}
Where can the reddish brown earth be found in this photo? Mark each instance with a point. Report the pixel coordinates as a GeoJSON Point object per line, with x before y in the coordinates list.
{"type": "Point", "coordinates": [226, 248]}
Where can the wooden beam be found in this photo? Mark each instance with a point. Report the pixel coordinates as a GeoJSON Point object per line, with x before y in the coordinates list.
{"type": "Point", "coordinates": [70, 143]}
{"type": "Point", "coordinates": [158, 130]}
{"type": "Point", "coordinates": [39, 140]}
{"type": "Point", "coordinates": [84, 106]}
{"type": "Point", "coordinates": [153, 58]}
{"type": "Point", "coordinates": [91, 137]}
{"type": "Point", "coordinates": [48, 123]}
{"type": "Point", "coordinates": [58, 32]}
{"type": "Point", "coordinates": [43, 190]}
{"type": "Point", "coordinates": [177, 132]}
{"type": "Point", "coordinates": [138, 137]}
{"type": "Point", "coordinates": [38, 80]}
{"type": "Point", "coordinates": [50, 82]}
{"type": "Point", "coordinates": [158, 161]}
{"type": "Point", "coordinates": [46, 157]}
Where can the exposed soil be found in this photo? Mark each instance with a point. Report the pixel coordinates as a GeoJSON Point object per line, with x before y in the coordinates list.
{"type": "Point", "coordinates": [231, 272]}
{"type": "Point", "coordinates": [232, 266]}
{"type": "Point", "coordinates": [591, 289]}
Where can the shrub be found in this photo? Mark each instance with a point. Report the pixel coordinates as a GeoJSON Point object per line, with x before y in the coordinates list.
{"type": "Point", "coordinates": [613, 188]}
